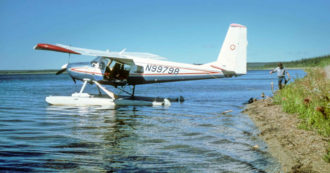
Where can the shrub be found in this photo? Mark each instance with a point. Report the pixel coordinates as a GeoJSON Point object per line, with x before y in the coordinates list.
{"type": "Point", "coordinates": [309, 98]}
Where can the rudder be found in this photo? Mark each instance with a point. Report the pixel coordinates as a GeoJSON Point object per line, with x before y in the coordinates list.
{"type": "Point", "coordinates": [233, 53]}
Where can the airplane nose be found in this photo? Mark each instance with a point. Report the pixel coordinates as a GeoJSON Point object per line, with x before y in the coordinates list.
{"type": "Point", "coordinates": [77, 71]}
{"type": "Point", "coordinates": [67, 68]}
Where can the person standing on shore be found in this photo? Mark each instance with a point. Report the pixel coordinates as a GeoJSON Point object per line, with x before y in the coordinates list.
{"type": "Point", "coordinates": [281, 75]}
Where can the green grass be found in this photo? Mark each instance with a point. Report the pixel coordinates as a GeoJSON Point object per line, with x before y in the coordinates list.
{"type": "Point", "coordinates": [309, 98]}
{"type": "Point", "coordinates": [326, 157]}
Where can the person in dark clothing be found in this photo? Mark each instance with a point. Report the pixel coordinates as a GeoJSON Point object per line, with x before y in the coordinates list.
{"type": "Point", "coordinates": [281, 75]}
{"type": "Point", "coordinates": [115, 71]}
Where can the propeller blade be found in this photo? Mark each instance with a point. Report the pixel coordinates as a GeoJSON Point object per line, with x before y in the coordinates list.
{"type": "Point", "coordinates": [63, 69]}
{"type": "Point", "coordinates": [60, 71]}
{"type": "Point", "coordinates": [74, 80]}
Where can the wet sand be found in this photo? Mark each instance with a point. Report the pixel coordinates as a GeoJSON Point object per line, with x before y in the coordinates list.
{"type": "Point", "coordinates": [296, 149]}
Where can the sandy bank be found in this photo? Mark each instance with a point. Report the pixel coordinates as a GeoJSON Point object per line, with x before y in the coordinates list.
{"type": "Point", "coordinates": [297, 150]}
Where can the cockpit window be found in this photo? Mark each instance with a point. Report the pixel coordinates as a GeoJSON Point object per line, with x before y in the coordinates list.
{"type": "Point", "coordinates": [96, 60]}
{"type": "Point", "coordinates": [103, 63]}
{"type": "Point", "coordinates": [100, 62]}
{"type": "Point", "coordinates": [127, 67]}
{"type": "Point", "coordinates": [139, 69]}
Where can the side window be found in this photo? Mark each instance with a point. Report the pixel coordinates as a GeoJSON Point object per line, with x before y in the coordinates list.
{"type": "Point", "coordinates": [95, 62]}
{"type": "Point", "coordinates": [103, 63]}
{"type": "Point", "coordinates": [127, 67]}
{"type": "Point", "coordinates": [112, 64]}
{"type": "Point", "coordinates": [139, 69]}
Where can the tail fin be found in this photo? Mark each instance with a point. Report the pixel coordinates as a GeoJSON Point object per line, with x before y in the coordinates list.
{"type": "Point", "coordinates": [232, 56]}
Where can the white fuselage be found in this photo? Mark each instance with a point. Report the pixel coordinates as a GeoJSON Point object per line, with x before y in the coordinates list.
{"type": "Point", "coordinates": [155, 71]}
{"type": "Point", "coordinates": [143, 71]}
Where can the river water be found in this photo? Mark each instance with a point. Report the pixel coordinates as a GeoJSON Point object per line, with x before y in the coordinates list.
{"type": "Point", "coordinates": [193, 136]}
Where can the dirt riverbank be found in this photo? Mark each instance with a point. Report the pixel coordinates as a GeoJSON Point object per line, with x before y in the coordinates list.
{"type": "Point", "coordinates": [297, 150]}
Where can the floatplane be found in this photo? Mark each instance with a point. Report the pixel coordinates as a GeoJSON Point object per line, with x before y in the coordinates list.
{"type": "Point", "coordinates": [136, 68]}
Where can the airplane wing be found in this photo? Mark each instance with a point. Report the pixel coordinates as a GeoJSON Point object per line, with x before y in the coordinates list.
{"type": "Point", "coordinates": [120, 56]}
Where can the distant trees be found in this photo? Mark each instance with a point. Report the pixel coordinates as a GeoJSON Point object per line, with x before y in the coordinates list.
{"type": "Point", "coordinates": [305, 62]}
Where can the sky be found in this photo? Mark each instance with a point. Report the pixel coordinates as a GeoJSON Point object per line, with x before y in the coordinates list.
{"type": "Point", "coordinates": [188, 31]}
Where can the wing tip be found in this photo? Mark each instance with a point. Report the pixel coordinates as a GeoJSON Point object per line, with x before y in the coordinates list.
{"type": "Point", "coordinates": [45, 46]}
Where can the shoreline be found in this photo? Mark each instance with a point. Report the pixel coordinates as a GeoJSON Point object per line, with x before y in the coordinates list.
{"type": "Point", "coordinates": [297, 150]}
{"type": "Point", "coordinates": [287, 68]}
{"type": "Point", "coordinates": [15, 72]}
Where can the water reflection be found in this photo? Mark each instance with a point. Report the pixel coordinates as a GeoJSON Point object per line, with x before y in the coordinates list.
{"type": "Point", "coordinates": [94, 133]}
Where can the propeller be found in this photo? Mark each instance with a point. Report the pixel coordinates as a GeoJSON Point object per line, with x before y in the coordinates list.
{"type": "Point", "coordinates": [63, 69]}
{"type": "Point", "coordinates": [60, 71]}
{"type": "Point", "coordinates": [74, 80]}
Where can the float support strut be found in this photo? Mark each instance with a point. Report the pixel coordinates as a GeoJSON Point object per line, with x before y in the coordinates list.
{"type": "Point", "coordinates": [83, 87]}
{"type": "Point", "coordinates": [133, 90]}
{"type": "Point", "coordinates": [109, 93]}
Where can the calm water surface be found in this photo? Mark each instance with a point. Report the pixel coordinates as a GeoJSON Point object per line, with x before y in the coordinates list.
{"type": "Point", "coordinates": [193, 136]}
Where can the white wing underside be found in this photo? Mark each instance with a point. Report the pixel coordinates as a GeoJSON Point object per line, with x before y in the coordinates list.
{"type": "Point", "coordinates": [120, 55]}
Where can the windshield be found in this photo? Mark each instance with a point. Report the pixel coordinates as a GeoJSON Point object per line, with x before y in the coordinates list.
{"type": "Point", "coordinates": [96, 60]}
{"type": "Point", "coordinates": [100, 62]}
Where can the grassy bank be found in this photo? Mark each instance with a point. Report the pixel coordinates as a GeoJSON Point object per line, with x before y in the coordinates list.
{"type": "Point", "coordinates": [309, 98]}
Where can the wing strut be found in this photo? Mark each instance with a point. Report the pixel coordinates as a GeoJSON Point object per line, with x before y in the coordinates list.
{"type": "Point", "coordinates": [109, 93]}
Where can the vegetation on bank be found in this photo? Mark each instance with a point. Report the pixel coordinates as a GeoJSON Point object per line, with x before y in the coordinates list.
{"type": "Point", "coordinates": [309, 97]}
{"type": "Point", "coordinates": [321, 61]}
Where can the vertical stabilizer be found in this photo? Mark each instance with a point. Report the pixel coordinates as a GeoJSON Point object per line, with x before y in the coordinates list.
{"type": "Point", "coordinates": [232, 56]}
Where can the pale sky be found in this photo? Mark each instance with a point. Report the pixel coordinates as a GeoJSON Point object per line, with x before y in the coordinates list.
{"type": "Point", "coordinates": [189, 31]}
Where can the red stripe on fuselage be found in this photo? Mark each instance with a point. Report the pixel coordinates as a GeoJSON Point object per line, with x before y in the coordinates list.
{"type": "Point", "coordinates": [213, 66]}
{"type": "Point", "coordinates": [164, 74]}
{"type": "Point", "coordinates": [150, 74]}
{"type": "Point", "coordinates": [81, 71]}
{"type": "Point", "coordinates": [184, 68]}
